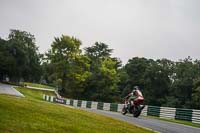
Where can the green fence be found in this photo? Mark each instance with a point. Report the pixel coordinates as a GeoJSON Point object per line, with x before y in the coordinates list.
{"type": "Point", "coordinates": [89, 104]}
{"type": "Point", "coordinates": [71, 102]}
{"type": "Point", "coordinates": [113, 107]}
{"type": "Point", "coordinates": [183, 114]}
{"type": "Point", "coordinates": [79, 103]}
{"type": "Point", "coordinates": [153, 111]}
{"type": "Point", "coordinates": [100, 105]}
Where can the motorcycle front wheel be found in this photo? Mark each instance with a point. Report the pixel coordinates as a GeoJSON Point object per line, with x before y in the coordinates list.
{"type": "Point", "coordinates": [124, 110]}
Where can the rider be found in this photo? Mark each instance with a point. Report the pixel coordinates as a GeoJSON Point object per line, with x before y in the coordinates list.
{"type": "Point", "coordinates": [135, 96]}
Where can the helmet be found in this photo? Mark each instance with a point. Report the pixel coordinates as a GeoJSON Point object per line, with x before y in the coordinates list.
{"type": "Point", "coordinates": [135, 88]}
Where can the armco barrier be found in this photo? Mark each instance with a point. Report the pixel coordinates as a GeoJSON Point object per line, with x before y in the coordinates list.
{"type": "Point", "coordinates": [100, 106]}
{"type": "Point", "coordinates": [166, 112]}
{"type": "Point", "coordinates": [79, 103]}
{"type": "Point", "coordinates": [89, 104]}
{"type": "Point", "coordinates": [153, 111]}
{"type": "Point", "coordinates": [144, 111]}
{"type": "Point", "coordinates": [196, 116]}
{"type": "Point", "coordinates": [113, 107]}
{"type": "Point", "coordinates": [183, 114]}
{"type": "Point", "coordinates": [163, 112]}
{"type": "Point", "coordinates": [83, 104]}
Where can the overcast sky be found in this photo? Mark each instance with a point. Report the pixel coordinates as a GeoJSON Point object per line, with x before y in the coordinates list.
{"type": "Point", "coordinates": [144, 28]}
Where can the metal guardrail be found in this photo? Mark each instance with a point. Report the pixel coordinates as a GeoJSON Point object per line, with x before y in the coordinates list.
{"type": "Point", "coordinates": [163, 112]}
{"type": "Point", "coordinates": [175, 113]}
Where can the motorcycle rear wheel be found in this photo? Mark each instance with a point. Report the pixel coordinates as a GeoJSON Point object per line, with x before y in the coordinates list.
{"type": "Point", "coordinates": [137, 111]}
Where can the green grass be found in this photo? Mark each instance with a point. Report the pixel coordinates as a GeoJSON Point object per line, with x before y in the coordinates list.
{"type": "Point", "coordinates": [177, 121]}
{"type": "Point", "coordinates": [39, 85]}
{"type": "Point", "coordinates": [34, 94]}
{"type": "Point", "coordinates": [31, 114]}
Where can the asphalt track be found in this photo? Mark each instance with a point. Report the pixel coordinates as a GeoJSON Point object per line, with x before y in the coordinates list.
{"type": "Point", "coordinates": [152, 124]}
{"type": "Point", "coordinates": [8, 89]}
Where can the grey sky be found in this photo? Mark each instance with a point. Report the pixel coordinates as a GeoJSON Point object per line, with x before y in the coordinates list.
{"type": "Point", "coordinates": [145, 28]}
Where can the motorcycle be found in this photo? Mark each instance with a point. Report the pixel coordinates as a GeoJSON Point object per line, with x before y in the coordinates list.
{"type": "Point", "coordinates": [131, 108]}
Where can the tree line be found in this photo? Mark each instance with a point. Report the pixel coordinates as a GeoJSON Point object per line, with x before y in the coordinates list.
{"type": "Point", "coordinates": [93, 74]}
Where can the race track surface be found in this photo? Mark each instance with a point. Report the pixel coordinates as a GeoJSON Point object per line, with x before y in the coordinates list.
{"type": "Point", "coordinates": [153, 124]}
{"type": "Point", "coordinates": [8, 89]}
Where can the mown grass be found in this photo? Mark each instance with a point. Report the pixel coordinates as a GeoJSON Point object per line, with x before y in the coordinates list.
{"type": "Point", "coordinates": [34, 94]}
{"type": "Point", "coordinates": [31, 115]}
{"type": "Point", "coordinates": [177, 121]}
{"type": "Point", "coordinates": [39, 85]}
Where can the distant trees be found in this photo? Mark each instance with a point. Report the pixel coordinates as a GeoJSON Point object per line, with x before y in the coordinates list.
{"type": "Point", "coordinates": [95, 75]}
{"type": "Point", "coordinates": [196, 94]}
{"type": "Point", "coordinates": [185, 74]}
{"type": "Point", "coordinates": [69, 66]}
{"type": "Point", "coordinates": [91, 76]}
{"type": "Point", "coordinates": [6, 59]}
{"type": "Point", "coordinates": [19, 57]}
{"type": "Point", "coordinates": [152, 77]}
{"type": "Point", "coordinates": [102, 84]}
{"type": "Point", "coordinates": [163, 82]}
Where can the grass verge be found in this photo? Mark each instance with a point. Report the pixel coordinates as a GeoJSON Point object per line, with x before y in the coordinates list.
{"type": "Point", "coordinates": [176, 121]}
{"type": "Point", "coordinates": [39, 85]}
{"type": "Point", "coordinates": [31, 114]}
{"type": "Point", "coordinates": [34, 94]}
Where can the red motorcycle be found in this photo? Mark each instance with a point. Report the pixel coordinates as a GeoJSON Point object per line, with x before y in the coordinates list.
{"type": "Point", "coordinates": [132, 108]}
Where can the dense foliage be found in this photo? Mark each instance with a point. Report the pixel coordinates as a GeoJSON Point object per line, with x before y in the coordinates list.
{"type": "Point", "coordinates": [19, 57]}
{"type": "Point", "coordinates": [93, 74]}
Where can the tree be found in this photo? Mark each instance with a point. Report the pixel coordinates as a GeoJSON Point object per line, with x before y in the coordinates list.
{"type": "Point", "coordinates": [196, 94]}
{"type": "Point", "coordinates": [135, 68]}
{"type": "Point", "coordinates": [70, 66]}
{"type": "Point", "coordinates": [102, 84]}
{"type": "Point", "coordinates": [157, 82]}
{"type": "Point", "coordinates": [20, 58]}
{"type": "Point", "coordinates": [27, 58]}
{"type": "Point", "coordinates": [153, 77]}
{"type": "Point", "coordinates": [98, 50]}
{"type": "Point", "coordinates": [6, 60]}
{"type": "Point", "coordinates": [184, 74]}
{"type": "Point", "coordinates": [123, 84]}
